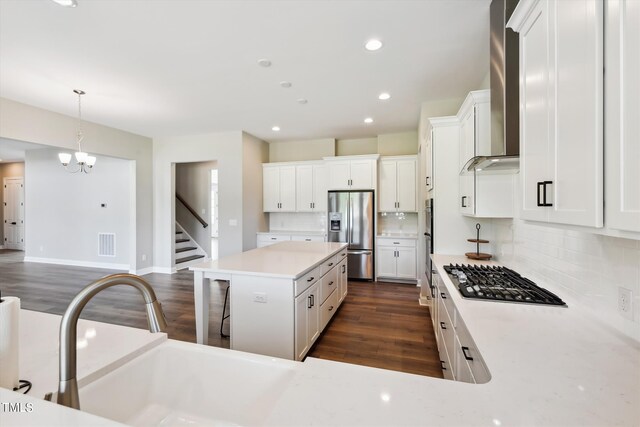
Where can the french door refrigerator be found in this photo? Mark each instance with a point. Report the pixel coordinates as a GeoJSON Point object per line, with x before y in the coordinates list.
{"type": "Point", "coordinates": [351, 220]}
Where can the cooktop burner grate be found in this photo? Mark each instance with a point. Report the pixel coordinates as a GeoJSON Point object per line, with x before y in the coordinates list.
{"type": "Point", "coordinates": [495, 283]}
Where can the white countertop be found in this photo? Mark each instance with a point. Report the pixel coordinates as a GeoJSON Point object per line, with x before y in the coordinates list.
{"type": "Point", "coordinates": [283, 260]}
{"type": "Point", "coordinates": [398, 235]}
{"type": "Point", "coordinates": [294, 233]}
{"type": "Point", "coordinates": [550, 366]}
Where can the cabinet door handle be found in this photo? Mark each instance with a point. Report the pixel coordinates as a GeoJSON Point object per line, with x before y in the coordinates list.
{"type": "Point", "coordinates": [442, 365]}
{"type": "Point", "coordinates": [442, 325]}
{"type": "Point", "coordinates": [313, 300]}
{"type": "Point", "coordinates": [310, 279]}
{"type": "Point", "coordinates": [427, 180]}
{"type": "Point", "coordinates": [330, 264]}
{"type": "Point", "coordinates": [539, 184]}
{"type": "Point", "coordinates": [462, 202]}
{"type": "Point", "coordinates": [344, 268]}
{"type": "Point", "coordinates": [309, 301]}
{"type": "Point", "coordinates": [442, 295]}
{"type": "Point", "coordinates": [274, 238]}
{"type": "Point", "coordinates": [464, 351]}
{"type": "Point", "coordinates": [544, 193]}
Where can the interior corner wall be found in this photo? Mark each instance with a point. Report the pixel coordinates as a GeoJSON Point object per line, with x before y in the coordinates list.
{"type": "Point", "coordinates": [223, 147]}
{"type": "Point", "coordinates": [63, 212]}
{"type": "Point", "coordinates": [8, 170]}
{"type": "Point", "coordinates": [292, 151]}
{"type": "Point", "coordinates": [354, 147]}
{"type": "Point", "coordinates": [398, 144]}
{"type": "Point", "coordinates": [193, 183]}
{"type": "Point", "coordinates": [57, 130]}
{"type": "Point", "coordinates": [254, 153]}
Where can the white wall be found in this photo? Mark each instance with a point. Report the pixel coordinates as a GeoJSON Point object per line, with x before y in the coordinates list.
{"type": "Point", "coordinates": [26, 123]}
{"type": "Point", "coordinates": [7, 170]}
{"type": "Point", "coordinates": [255, 152]}
{"type": "Point", "coordinates": [290, 151]}
{"type": "Point", "coordinates": [63, 214]}
{"type": "Point", "coordinates": [227, 149]}
{"type": "Point", "coordinates": [398, 144]}
{"type": "Point", "coordinates": [193, 183]}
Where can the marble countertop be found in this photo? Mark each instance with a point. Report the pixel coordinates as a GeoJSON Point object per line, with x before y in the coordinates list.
{"type": "Point", "coordinates": [294, 233]}
{"type": "Point", "coordinates": [288, 260]}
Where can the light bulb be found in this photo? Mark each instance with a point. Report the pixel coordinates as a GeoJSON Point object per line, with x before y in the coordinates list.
{"type": "Point", "coordinates": [91, 160]}
{"type": "Point", "coordinates": [81, 157]}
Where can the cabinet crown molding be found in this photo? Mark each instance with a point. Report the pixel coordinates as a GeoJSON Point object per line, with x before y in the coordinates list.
{"type": "Point", "coordinates": [474, 97]}
{"type": "Point", "coordinates": [521, 13]}
{"type": "Point", "coordinates": [444, 121]}
{"type": "Point", "coordinates": [357, 157]}
{"type": "Point", "coordinates": [403, 157]}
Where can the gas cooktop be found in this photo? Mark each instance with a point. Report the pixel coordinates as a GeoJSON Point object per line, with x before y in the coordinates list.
{"type": "Point", "coordinates": [495, 283]}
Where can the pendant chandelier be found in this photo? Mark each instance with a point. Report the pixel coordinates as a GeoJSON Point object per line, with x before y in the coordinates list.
{"type": "Point", "coordinates": [84, 162]}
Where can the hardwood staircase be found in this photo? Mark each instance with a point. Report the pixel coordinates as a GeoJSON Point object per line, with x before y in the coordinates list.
{"type": "Point", "coordinates": [187, 251]}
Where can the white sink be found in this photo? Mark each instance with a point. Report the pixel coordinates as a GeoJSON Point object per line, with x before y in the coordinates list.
{"type": "Point", "coordinates": [180, 384]}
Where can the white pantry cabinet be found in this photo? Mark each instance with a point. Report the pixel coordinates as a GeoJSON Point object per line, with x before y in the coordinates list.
{"type": "Point", "coordinates": [311, 187]}
{"type": "Point", "coordinates": [481, 195]}
{"type": "Point", "coordinates": [278, 188]}
{"type": "Point", "coordinates": [622, 115]}
{"type": "Point", "coordinates": [396, 258]}
{"type": "Point", "coordinates": [397, 187]}
{"type": "Point", "coordinates": [561, 110]}
{"type": "Point", "coordinates": [352, 172]}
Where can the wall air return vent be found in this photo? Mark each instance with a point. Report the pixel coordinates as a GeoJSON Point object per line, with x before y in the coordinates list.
{"type": "Point", "coordinates": [106, 244]}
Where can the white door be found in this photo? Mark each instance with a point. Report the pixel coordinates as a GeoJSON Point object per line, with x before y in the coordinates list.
{"type": "Point", "coordinates": [406, 185]}
{"type": "Point", "coordinates": [14, 213]}
{"type": "Point", "coordinates": [302, 306]}
{"type": "Point", "coordinates": [313, 314]}
{"type": "Point", "coordinates": [534, 112]}
{"type": "Point", "coordinates": [622, 109]}
{"type": "Point", "coordinates": [304, 188]}
{"type": "Point", "coordinates": [288, 188]}
{"type": "Point", "coordinates": [342, 280]}
{"type": "Point", "coordinates": [387, 200]}
{"type": "Point", "coordinates": [406, 263]}
{"type": "Point", "coordinates": [339, 175]}
{"type": "Point", "coordinates": [362, 174]}
{"type": "Point", "coordinates": [320, 186]}
{"type": "Point", "coordinates": [386, 261]}
{"type": "Point", "coordinates": [270, 189]}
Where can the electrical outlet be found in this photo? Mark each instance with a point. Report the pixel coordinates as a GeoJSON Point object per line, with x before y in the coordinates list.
{"type": "Point", "coordinates": [144, 257]}
{"type": "Point", "coordinates": [260, 297]}
{"type": "Point", "coordinates": [625, 302]}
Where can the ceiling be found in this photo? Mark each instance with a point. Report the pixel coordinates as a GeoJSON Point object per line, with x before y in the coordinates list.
{"type": "Point", "coordinates": [14, 151]}
{"type": "Point", "coordinates": [169, 68]}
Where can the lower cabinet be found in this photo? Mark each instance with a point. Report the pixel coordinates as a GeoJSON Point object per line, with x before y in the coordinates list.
{"type": "Point", "coordinates": [459, 356]}
{"type": "Point", "coordinates": [397, 258]}
{"type": "Point", "coordinates": [307, 319]}
{"type": "Point", "coordinates": [342, 280]}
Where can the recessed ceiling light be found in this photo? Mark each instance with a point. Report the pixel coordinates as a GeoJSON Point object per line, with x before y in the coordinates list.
{"type": "Point", "coordinates": [264, 62]}
{"type": "Point", "coordinates": [368, 120]}
{"type": "Point", "coordinates": [67, 3]}
{"type": "Point", "coordinates": [302, 100]}
{"type": "Point", "coordinates": [373, 44]}
{"type": "Point", "coordinates": [384, 96]}
{"type": "Point", "coordinates": [285, 84]}
{"type": "Point", "coordinates": [276, 128]}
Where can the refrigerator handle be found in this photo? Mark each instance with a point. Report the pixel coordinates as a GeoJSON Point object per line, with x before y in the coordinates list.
{"type": "Point", "coordinates": [350, 220]}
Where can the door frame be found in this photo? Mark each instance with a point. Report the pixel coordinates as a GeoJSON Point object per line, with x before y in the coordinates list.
{"type": "Point", "coordinates": [5, 180]}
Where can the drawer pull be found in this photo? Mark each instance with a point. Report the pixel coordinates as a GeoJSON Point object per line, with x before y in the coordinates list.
{"type": "Point", "coordinates": [307, 240]}
{"type": "Point", "coordinates": [331, 283]}
{"type": "Point", "coordinates": [443, 295]}
{"type": "Point", "coordinates": [330, 264]}
{"type": "Point", "coordinates": [344, 254]}
{"type": "Point", "coordinates": [310, 279]}
{"type": "Point", "coordinates": [442, 365]}
{"type": "Point", "coordinates": [464, 351]}
{"type": "Point", "coordinates": [442, 325]}
{"type": "Point", "coordinates": [274, 238]}
{"type": "Point", "coordinates": [331, 308]}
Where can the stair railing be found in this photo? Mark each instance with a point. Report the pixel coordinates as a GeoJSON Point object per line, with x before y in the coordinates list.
{"type": "Point", "coordinates": [192, 211]}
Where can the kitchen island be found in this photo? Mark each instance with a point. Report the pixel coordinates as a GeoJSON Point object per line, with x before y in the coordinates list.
{"type": "Point", "coordinates": [282, 296]}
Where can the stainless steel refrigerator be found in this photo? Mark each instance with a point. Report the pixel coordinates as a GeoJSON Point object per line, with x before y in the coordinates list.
{"type": "Point", "coordinates": [351, 220]}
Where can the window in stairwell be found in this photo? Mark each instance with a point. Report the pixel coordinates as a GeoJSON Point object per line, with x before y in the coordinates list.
{"type": "Point", "coordinates": [214, 214]}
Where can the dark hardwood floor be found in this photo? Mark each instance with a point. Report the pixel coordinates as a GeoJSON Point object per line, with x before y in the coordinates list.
{"type": "Point", "coordinates": [379, 324]}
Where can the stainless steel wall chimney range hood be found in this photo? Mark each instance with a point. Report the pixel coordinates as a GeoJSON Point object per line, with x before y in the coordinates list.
{"type": "Point", "coordinates": [505, 119]}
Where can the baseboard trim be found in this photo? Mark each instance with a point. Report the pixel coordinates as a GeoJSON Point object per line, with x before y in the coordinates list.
{"type": "Point", "coordinates": [164, 270]}
{"type": "Point", "coordinates": [76, 263]}
{"type": "Point", "coordinates": [1, 246]}
{"type": "Point", "coordinates": [424, 301]}
{"type": "Point", "coordinates": [143, 271]}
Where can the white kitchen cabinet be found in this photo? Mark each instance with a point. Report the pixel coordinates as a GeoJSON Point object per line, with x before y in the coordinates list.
{"type": "Point", "coordinates": [278, 188]}
{"type": "Point", "coordinates": [343, 282]}
{"type": "Point", "coordinates": [352, 172]}
{"type": "Point", "coordinates": [307, 320]}
{"type": "Point", "coordinates": [267, 239]}
{"type": "Point", "coordinates": [396, 258]}
{"type": "Point", "coordinates": [622, 115]}
{"type": "Point", "coordinates": [311, 187]}
{"type": "Point", "coordinates": [481, 195]}
{"type": "Point", "coordinates": [561, 110]}
{"type": "Point", "coordinates": [397, 187]}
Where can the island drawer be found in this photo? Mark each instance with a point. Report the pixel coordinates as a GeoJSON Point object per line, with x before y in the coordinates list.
{"type": "Point", "coordinates": [398, 242]}
{"type": "Point", "coordinates": [342, 255]}
{"type": "Point", "coordinates": [328, 308]}
{"type": "Point", "coordinates": [329, 284]}
{"type": "Point", "coordinates": [328, 265]}
{"type": "Point", "coordinates": [302, 283]}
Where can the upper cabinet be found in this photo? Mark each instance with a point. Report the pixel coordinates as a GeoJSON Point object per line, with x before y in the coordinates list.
{"type": "Point", "coordinates": [397, 188]}
{"type": "Point", "coordinates": [278, 188]}
{"type": "Point", "coordinates": [481, 195]}
{"type": "Point", "coordinates": [352, 172]}
{"type": "Point", "coordinates": [561, 109]}
{"type": "Point", "coordinates": [311, 187]}
{"type": "Point", "coordinates": [622, 115]}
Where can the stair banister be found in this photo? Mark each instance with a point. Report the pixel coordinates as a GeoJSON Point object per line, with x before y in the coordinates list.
{"type": "Point", "coordinates": [193, 212]}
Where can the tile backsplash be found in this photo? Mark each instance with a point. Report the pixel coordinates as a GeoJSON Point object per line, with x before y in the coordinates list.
{"type": "Point", "coordinates": [591, 267]}
{"type": "Point", "coordinates": [297, 221]}
{"type": "Point", "coordinates": [398, 222]}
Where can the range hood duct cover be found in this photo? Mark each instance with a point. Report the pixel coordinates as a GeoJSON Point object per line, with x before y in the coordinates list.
{"type": "Point", "coordinates": [505, 99]}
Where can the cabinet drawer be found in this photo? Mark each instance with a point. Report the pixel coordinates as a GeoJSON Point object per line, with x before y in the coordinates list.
{"type": "Point", "coordinates": [329, 284]}
{"type": "Point", "coordinates": [328, 264]}
{"type": "Point", "coordinates": [404, 242]}
{"type": "Point", "coordinates": [449, 307]}
{"type": "Point", "coordinates": [328, 308]}
{"type": "Point", "coordinates": [311, 238]}
{"type": "Point", "coordinates": [302, 283]}
{"type": "Point", "coordinates": [342, 255]}
{"type": "Point", "coordinates": [467, 349]}
{"type": "Point", "coordinates": [273, 238]}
